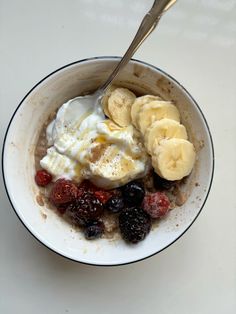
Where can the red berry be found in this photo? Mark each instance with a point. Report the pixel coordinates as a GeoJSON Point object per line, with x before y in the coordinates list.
{"type": "Point", "coordinates": [156, 204]}
{"type": "Point", "coordinates": [63, 192]}
{"type": "Point", "coordinates": [43, 178]}
{"type": "Point", "coordinates": [62, 208]}
{"type": "Point", "coordinates": [103, 196]}
{"type": "Point", "coordinates": [87, 186]}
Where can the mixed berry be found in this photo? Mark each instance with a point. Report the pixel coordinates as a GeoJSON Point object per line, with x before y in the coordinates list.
{"type": "Point", "coordinates": [156, 204]}
{"type": "Point", "coordinates": [134, 224]}
{"type": "Point", "coordinates": [115, 204]}
{"type": "Point", "coordinates": [43, 178]}
{"type": "Point", "coordinates": [85, 209]}
{"type": "Point", "coordinates": [94, 230]}
{"type": "Point", "coordinates": [133, 193]}
{"type": "Point", "coordinates": [86, 205]}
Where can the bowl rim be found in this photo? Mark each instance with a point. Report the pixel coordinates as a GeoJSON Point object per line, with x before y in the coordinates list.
{"type": "Point", "coordinates": [107, 58]}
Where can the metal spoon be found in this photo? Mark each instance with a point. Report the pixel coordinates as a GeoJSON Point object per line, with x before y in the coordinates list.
{"type": "Point", "coordinates": [147, 25]}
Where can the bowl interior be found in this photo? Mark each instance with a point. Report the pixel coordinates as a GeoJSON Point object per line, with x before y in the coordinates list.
{"type": "Point", "coordinates": [22, 135]}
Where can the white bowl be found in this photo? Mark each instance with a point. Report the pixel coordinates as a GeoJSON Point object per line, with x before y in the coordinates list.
{"type": "Point", "coordinates": [18, 160]}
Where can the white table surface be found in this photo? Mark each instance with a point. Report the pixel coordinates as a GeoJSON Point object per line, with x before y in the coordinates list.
{"type": "Point", "coordinates": [195, 43]}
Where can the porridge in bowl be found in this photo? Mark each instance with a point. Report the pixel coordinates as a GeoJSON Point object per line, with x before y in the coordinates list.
{"type": "Point", "coordinates": [24, 147]}
{"type": "Point", "coordinates": [116, 168]}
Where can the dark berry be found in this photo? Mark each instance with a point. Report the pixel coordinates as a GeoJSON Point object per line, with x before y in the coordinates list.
{"type": "Point", "coordinates": [63, 192]}
{"type": "Point", "coordinates": [134, 224]}
{"type": "Point", "coordinates": [43, 178]}
{"type": "Point", "coordinates": [133, 193]}
{"type": "Point", "coordinates": [156, 204]}
{"type": "Point", "coordinates": [115, 204]}
{"type": "Point", "coordinates": [161, 183]}
{"type": "Point", "coordinates": [94, 230]}
{"type": "Point", "coordinates": [84, 209]}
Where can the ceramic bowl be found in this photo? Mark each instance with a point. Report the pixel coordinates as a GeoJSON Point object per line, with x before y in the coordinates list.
{"type": "Point", "coordinates": [19, 169]}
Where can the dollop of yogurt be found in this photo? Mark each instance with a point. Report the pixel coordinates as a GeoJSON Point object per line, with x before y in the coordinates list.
{"type": "Point", "coordinates": [83, 144]}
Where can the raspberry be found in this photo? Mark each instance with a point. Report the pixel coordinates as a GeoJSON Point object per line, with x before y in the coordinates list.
{"type": "Point", "coordinates": [156, 204]}
{"type": "Point", "coordinates": [85, 209]}
{"type": "Point", "coordinates": [134, 224]}
{"type": "Point", "coordinates": [43, 178]}
{"type": "Point", "coordinates": [103, 196]}
{"type": "Point", "coordinates": [64, 192]}
{"type": "Point", "coordinates": [87, 186]}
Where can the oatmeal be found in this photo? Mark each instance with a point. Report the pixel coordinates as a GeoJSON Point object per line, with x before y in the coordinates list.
{"type": "Point", "coordinates": [116, 170]}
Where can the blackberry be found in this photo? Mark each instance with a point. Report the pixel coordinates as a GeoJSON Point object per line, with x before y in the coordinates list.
{"type": "Point", "coordinates": [85, 209]}
{"type": "Point", "coordinates": [133, 193]}
{"type": "Point", "coordinates": [161, 183]}
{"type": "Point", "coordinates": [134, 224]}
{"type": "Point", "coordinates": [94, 230]}
{"type": "Point", "coordinates": [115, 204]}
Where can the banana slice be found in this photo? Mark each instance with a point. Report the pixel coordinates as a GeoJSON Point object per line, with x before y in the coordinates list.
{"type": "Point", "coordinates": [105, 98]}
{"type": "Point", "coordinates": [139, 102]}
{"type": "Point", "coordinates": [119, 106]}
{"type": "Point", "coordinates": [156, 110]}
{"type": "Point", "coordinates": [163, 129]}
{"type": "Point", "coordinates": [174, 159]}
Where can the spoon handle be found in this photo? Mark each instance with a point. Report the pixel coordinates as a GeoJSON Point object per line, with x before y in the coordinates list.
{"type": "Point", "coordinates": [147, 25]}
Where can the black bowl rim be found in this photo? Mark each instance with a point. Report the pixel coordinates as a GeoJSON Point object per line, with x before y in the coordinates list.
{"type": "Point", "coordinates": [107, 58]}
